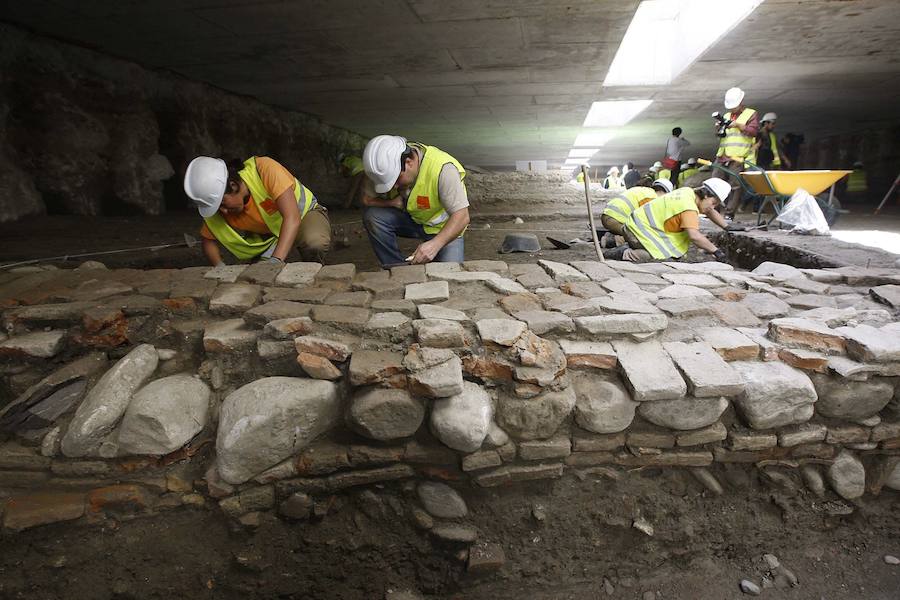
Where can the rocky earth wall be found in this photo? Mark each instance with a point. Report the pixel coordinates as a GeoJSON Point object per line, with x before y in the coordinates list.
{"type": "Point", "coordinates": [270, 388]}
{"type": "Point", "coordinates": [83, 133]}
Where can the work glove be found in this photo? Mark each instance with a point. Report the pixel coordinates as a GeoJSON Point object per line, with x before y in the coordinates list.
{"type": "Point", "coordinates": [720, 255]}
{"type": "Point", "coordinates": [274, 259]}
{"type": "Point", "coordinates": [735, 227]}
{"type": "Point", "coordinates": [221, 263]}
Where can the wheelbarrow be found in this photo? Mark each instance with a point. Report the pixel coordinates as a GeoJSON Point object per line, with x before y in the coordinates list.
{"type": "Point", "coordinates": [777, 187]}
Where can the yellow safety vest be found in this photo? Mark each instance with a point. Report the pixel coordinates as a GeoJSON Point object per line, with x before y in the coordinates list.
{"type": "Point", "coordinates": [856, 182]}
{"type": "Point", "coordinates": [247, 245]}
{"type": "Point", "coordinates": [736, 144]}
{"type": "Point", "coordinates": [647, 223]}
{"type": "Point", "coordinates": [773, 144]}
{"type": "Point", "coordinates": [620, 207]}
{"type": "Point", "coordinates": [353, 164]}
{"type": "Point", "coordinates": [424, 204]}
{"type": "Point", "coordinates": [664, 174]}
{"type": "Point", "coordinates": [685, 174]}
{"type": "Point", "coordinates": [580, 178]}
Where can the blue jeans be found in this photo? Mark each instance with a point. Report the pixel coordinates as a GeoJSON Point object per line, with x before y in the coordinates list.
{"type": "Point", "coordinates": [384, 225]}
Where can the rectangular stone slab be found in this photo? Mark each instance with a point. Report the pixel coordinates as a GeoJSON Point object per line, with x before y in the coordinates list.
{"type": "Point", "coordinates": [707, 374]}
{"type": "Point", "coordinates": [649, 371]}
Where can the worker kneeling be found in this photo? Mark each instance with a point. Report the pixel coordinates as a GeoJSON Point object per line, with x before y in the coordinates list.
{"type": "Point", "coordinates": [620, 208]}
{"type": "Point", "coordinates": [256, 209]}
{"type": "Point", "coordinates": [414, 191]}
{"type": "Point", "coordinates": [664, 228]}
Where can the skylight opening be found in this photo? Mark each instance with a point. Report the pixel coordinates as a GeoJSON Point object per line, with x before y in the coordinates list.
{"type": "Point", "coordinates": [666, 36]}
{"type": "Point", "coordinates": [614, 113]}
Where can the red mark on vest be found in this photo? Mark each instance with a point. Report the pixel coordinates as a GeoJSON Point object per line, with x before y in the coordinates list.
{"type": "Point", "coordinates": [423, 203]}
{"type": "Point", "coordinates": [269, 206]}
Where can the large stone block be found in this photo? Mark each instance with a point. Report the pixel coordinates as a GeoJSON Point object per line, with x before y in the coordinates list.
{"type": "Point", "coordinates": [601, 405]}
{"type": "Point", "coordinates": [562, 272]}
{"type": "Point", "coordinates": [806, 333]}
{"type": "Point", "coordinates": [847, 476]}
{"type": "Point", "coordinates": [462, 421]}
{"type": "Point", "coordinates": [298, 274]}
{"type": "Point", "coordinates": [649, 371]}
{"type": "Point", "coordinates": [41, 344]}
{"type": "Point", "coordinates": [684, 414]}
{"type": "Point", "coordinates": [842, 398]}
{"type": "Point", "coordinates": [439, 333]}
{"type": "Point", "coordinates": [607, 325]}
{"type": "Point", "coordinates": [104, 405]}
{"type": "Point", "coordinates": [774, 395]}
{"type": "Point", "coordinates": [438, 381]}
{"type": "Point", "coordinates": [164, 415]}
{"type": "Point", "coordinates": [270, 419]}
{"type": "Point", "coordinates": [535, 418]}
{"type": "Point", "coordinates": [382, 414]}
{"type": "Point", "coordinates": [707, 374]}
{"type": "Point", "coordinates": [233, 298]}
{"type": "Point", "coordinates": [432, 291]}
{"type": "Point", "coordinates": [867, 343]}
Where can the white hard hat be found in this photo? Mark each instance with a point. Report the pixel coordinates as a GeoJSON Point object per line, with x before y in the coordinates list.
{"type": "Point", "coordinates": [719, 187]}
{"type": "Point", "coordinates": [665, 184]}
{"type": "Point", "coordinates": [733, 97]}
{"type": "Point", "coordinates": [692, 161]}
{"type": "Point", "coordinates": [769, 117]}
{"type": "Point", "coordinates": [204, 182]}
{"type": "Point", "coordinates": [656, 166]}
{"type": "Point", "coordinates": [381, 160]}
{"type": "Point", "coordinates": [612, 170]}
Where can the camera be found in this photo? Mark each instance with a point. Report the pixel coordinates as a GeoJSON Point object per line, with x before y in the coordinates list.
{"type": "Point", "coordinates": [721, 124]}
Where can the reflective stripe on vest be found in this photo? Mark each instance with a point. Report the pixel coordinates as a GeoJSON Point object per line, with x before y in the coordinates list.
{"type": "Point", "coordinates": [621, 207]}
{"type": "Point", "coordinates": [856, 181]}
{"type": "Point", "coordinates": [245, 246]}
{"type": "Point", "coordinates": [648, 224]}
{"type": "Point", "coordinates": [773, 145]}
{"type": "Point", "coordinates": [424, 204]}
{"type": "Point", "coordinates": [735, 144]}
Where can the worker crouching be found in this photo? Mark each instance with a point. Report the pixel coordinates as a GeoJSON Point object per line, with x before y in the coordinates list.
{"type": "Point", "coordinates": [665, 228]}
{"type": "Point", "coordinates": [256, 209]}
{"type": "Point", "coordinates": [620, 208]}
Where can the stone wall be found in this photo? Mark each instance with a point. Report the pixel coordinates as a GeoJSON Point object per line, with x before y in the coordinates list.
{"type": "Point", "coordinates": [270, 388]}
{"type": "Point", "coordinates": [83, 133]}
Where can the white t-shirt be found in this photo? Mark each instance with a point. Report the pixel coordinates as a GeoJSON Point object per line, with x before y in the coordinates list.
{"type": "Point", "coordinates": [675, 146]}
{"type": "Point", "coordinates": [451, 191]}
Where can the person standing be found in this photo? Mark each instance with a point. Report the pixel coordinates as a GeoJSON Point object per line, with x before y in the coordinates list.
{"type": "Point", "coordinates": [769, 154]}
{"type": "Point", "coordinates": [674, 147]}
{"type": "Point", "coordinates": [256, 209]}
{"type": "Point", "coordinates": [613, 181]}
{"type": "Point", "coordinates": [414, 191]}
{"type": "Point", "coordinates": [737, 145]}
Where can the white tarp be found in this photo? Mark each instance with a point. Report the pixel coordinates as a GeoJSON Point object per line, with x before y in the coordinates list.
{"type": "Point", "coordinates": [803, 212]}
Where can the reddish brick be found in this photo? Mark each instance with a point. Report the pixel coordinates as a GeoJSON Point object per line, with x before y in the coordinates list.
{"type": "Point", "coordinates": [23, 512]}
{"type": "Point", "coordinates": [118, 498]}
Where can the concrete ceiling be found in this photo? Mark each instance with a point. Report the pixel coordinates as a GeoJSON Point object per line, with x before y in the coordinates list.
{"type": "Point", "coordinates": [495, 81]}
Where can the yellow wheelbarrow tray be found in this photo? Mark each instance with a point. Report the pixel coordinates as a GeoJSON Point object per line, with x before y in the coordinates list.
{"type": "Point", "coordinates": [785, 183]}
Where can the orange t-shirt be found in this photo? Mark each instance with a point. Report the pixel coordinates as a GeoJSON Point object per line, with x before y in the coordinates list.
{"type": "Point", "coordinates": [276, 180]}
{"type": "Point", "coordinates": [689, 219]}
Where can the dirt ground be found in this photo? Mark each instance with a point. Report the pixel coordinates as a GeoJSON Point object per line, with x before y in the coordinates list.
{"type": "Point", "coordinates": [569, 539]}
{"type": "Point", "coordinates": [71, 235]}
